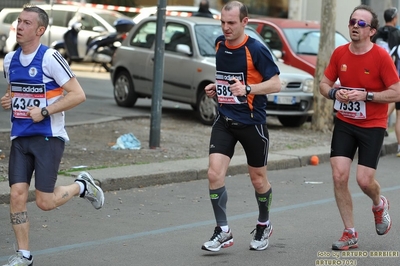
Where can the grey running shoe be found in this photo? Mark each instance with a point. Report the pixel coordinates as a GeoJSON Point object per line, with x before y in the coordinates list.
{"type": "Point", "coordinates": [219, 240]}
{"type": "Point", "coordinates": [92, 192]}
{"type": "Point", "coordinates": [260, 237]}
{"type": "Point", "coordinates": [382, 217]}
{"type": "Point", "coordinates": [347, 241]}
{"type": "Point", "coordinates": [19, 260]}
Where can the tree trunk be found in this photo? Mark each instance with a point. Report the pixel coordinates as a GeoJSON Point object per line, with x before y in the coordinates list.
{"type": "Point", "coordinates": [322, 119]}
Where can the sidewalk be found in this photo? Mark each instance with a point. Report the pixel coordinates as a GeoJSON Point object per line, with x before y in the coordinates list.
{"type": "Point", "coordinates": [133, 176]}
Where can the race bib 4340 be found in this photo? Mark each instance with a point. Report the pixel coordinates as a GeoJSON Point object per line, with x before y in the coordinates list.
{"type": "Point", "coordinates": [25, 95]}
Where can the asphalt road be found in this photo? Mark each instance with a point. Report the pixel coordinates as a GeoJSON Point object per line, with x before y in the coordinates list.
{"type": "Point", "coordinates": [99, 105]}
{"type": "Point", "coordinates": [166, 225]}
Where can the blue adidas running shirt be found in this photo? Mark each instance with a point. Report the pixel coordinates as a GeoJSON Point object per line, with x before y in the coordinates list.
{"type": "Point", "coordinates": [29, 88]}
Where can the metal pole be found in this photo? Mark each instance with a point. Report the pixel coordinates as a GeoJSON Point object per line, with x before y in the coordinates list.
{"type": "Point", "coordinates": [50, 23]}
{"type": "Point", "coordinates": [158, 74]}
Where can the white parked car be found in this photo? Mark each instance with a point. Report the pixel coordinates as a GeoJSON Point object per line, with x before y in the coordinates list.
{"type": "Point", "coordinates": [94, 21]}
{"type": "Point", "coordinates": [180, 11]}
{"type": "Point", "coordinates": [189, 65]}
{"type": "Point", "coordinates": [7, 17]}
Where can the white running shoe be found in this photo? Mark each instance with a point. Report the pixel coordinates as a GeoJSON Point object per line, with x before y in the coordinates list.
{"type": "Point", "coordinates": [260, 237]}
{"type": "Point", "coordinates": [219, 240]}
{"type": "Point", "coordinates": [383, 223]}
{"type": "Point", "coordinates": [92, 192]}
{"type": "Point", "coordinates": [19, 260]}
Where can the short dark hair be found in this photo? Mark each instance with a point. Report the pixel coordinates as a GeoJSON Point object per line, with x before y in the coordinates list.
{"type": "Point", "coordinates": [242, 8]}
{"type": "Point", "coordinates": [374, 22]}
{"type": "Point", "coordinates": [43, 17]}
{"type": "Point", "coordinates": [390, 14]}
{"type": "Point", "coordinates": [204, 5]}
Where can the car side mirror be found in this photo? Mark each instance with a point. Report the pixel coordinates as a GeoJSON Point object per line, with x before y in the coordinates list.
{"type": "Point", "coordinates": [184, 49]}
{"type": "Point", "coordinates": [277, 53]}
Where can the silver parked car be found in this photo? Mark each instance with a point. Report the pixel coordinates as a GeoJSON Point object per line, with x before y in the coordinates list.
{"type": "Point", "coordinates": [94, 22]}
{"type": "Point", "coordinates": [7, 17]}
{"type": "Point", "coordinates": [189, 65]}
{"type": "Point", "coordinates": [182, 11]}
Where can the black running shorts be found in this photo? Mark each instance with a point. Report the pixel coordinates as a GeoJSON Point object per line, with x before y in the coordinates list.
{"type": "Point", "coordinates": [254, 139]}
{"type": "Point", "coordinates": [36, 154]}
{"type": "Point", "coordinates": [347, 138]}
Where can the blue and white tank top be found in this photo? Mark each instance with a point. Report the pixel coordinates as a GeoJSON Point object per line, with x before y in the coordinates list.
{"type": "Point", "coordinates": [30, 86]}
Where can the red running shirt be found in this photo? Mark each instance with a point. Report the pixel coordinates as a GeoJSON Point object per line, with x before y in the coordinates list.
{"type": "Point", "coordinates": [373, 71]}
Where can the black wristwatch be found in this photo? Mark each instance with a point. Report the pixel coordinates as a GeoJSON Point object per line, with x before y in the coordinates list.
{"type": "Point", "coordinates": [370, 96]}
{"type": "Point", "coordinates": [248, 89]}
{"type": "Point", "coordinates": [45, 112]}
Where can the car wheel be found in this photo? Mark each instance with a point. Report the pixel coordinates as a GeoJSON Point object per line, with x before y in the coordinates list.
{"type": "Point", "coordinates": [292, 121]}
{"type": "Point", "coordinates": [206, 108]}
{"type": "Point", "coordinates": [124, 92]}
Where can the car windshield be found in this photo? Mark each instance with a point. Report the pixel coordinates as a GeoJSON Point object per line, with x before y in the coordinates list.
{"type": "Point", "coordinates": [206, 35]}
{"type": "Point", "coordinates": [306, 41]}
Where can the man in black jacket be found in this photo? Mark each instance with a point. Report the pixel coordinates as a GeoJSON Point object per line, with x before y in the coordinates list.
{"type": "Point", "coordinates": [203, 10]}
{"type": "Point", "coordinates": [388, 37]}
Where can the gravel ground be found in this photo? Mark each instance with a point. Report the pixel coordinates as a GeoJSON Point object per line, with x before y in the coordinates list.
{"type": "Point", "coordinates": [181, 137]}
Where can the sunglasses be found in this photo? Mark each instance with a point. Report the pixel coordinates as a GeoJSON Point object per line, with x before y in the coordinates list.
{"type": "Point", "coordinates": [360, 23]}
{"type": "Point", "coordinates": [394, 12]}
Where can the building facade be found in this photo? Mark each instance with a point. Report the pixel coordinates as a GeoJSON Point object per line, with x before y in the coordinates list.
{"type": "Point", "coordinates": [293, 9]}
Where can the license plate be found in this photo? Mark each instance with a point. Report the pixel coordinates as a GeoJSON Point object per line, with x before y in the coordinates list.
{"type": "Point", "coordinates": [284, 99]}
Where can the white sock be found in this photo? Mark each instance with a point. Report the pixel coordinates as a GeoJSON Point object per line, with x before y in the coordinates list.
{"type": "Point", "coordinates": [380, 204]}
{"type": "Point", "coordinates": [25, 253]}
{"type": "Point", "coordinates": [81, 187]}
{"type": "Point", "coordinates": [263, 223]}
{"type": "Point", "coordinates": [225, 228]}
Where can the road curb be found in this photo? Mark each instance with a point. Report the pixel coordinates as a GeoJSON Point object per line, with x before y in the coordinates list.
{"type": "Point", "coordinates": [137, 176]}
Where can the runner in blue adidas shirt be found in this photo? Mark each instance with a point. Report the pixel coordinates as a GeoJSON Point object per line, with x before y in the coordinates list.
{"type": "Point", "coordinates": [245, 73]}
{"type": "Point", "coordinates": [41, 87]}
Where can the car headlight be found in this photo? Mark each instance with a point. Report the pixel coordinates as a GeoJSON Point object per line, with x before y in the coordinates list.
{"type": "Point", "coordinates": [308, 85]}
{"type": "Point", "coordinates": [283, 84]}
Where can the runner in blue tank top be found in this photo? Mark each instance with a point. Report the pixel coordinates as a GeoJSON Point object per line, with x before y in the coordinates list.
{"type": "Point", "coordinates": [41, 86]}
{"type": "Point", "coordinates": [245, 74]}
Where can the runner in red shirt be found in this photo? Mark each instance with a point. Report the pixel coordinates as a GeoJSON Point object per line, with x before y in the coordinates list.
{"type": "Point", "coordinates": [369, 82]}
